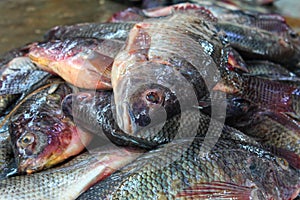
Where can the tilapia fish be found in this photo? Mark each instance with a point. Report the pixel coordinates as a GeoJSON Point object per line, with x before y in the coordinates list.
{"type": "Point", "coordinates": [273, 130]}
{"type": "Point", "coordinates": [152, 63]}
{"type": "Point", "coordinates": [85, 63]}
{"type": "Point", "coordinates": [68, 181]}
{"type": "Point", "coordinates": [231, 170]}
{"type": "Point", "coordinates": [41, 135]}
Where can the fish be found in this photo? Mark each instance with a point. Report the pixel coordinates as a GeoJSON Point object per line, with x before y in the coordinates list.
{"type": "Point", "coordinates": [115, 31]}
{"type": "Point", "coordinates": [85, 63]}
{"type": "Point", "coordinates": [271, 130]}
{"type": "Point", "coordinates": [72, 178]}
{"type": "Point", "coordinates": [18, 78]}
{"type": "Point", "coordinates": [41, 135]}
{"type": "Point", "coordinates": [151, 61]}
{"type": "Point", "coordinates": [231, 170]}
{"type": "Point", "coordinates": [260, 44]}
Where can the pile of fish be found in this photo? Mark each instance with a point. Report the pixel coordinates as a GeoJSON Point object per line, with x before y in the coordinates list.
{"type": "Point", "coordinates": [197, 100]}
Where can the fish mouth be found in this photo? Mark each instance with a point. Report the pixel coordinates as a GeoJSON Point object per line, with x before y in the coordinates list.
{"type": "Point", "coordinates": [54, 153]}
{"type": "Point", "coordinates": [125, 119]}
{"type": "Point", "coordinates": [30, 165]}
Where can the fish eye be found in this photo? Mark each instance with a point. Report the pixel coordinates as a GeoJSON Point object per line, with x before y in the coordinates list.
{"type": "Point", "coordinates": [293, 34]}
{"type": "Point", "coordinates": [27, 140]}
{"type": "Point", "coordinates": [153, 97]}
{"type": "Point", "coordinates": [283, 163]}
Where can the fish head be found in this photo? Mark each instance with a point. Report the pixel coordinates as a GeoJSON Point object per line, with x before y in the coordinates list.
{"type": "Point", "coordinates": [274, 175]}
{"type": "Point", "coordinates": [41, 135]}
{"type": "Point", "coordinates": [44, 142]}
{"type": "Point", "coordinates": [149, 105]}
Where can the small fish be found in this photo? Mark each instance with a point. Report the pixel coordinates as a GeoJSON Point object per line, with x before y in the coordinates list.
{"type": "Point", "coordinates": [85, 63]}
{"type": "Point", "coordinates": [115, 31]}
{"type": "Point", "coordinates": [41, 135]}
{"type": "Point", "coordinates": [69, 180]}
{"type": "Point", "coordinates": [231, 170]}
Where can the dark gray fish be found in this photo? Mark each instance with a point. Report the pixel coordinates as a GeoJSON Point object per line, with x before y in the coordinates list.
{"type": "Point", "coordinates": [117, 31]}
{"type": "Point", "coordinates": [233, 169]}
{"type": "Point", "coordinates": [257, 43]}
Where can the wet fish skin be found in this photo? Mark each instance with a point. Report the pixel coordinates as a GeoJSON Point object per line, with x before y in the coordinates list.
{"type": "Point", "coordinates": [159, 58]}
{"type": "Point", "coordinates": [269, 70]}
{"type": "Point", "coordinates": [18, 78]}
{"type": "Point", "coordinates": [273, 130]}
{"type": "Point", "coordinates": [83, 62]}
{"type": "Point", "coordinates": [6, 152]}
{"type": "Point", "coordinates": [259, 44]}
{"type": "Point", "coordinates": [94, 111]}
{"type": "Point", "coordinates": [167, 171]}
{"type": "Point", "coordinates": [41, 135]}
{"type": "Point", "coordinates": [116, 31]}
{"type": "Point", "coordinates": [70, 179]}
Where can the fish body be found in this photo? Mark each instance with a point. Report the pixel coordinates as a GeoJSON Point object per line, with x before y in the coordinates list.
{"type": "Point", "coordinates": [41, 135]}
{"type": "Point", "coordinates": [274, 130]}
{"type": "Point", "coordinates": [116, 31]}
{"type": "Point", "coordinates": [18, 78]}
{"type": "Point", "coordinates": [269, 70]}
{"type": "Point", "coordinates": [232, 169]}
{"type": "Point", "coordinates": [85, 63]}
{"type": "Point", "coordinates": [70, 179]}
{"type": "Point", "coordinates": [6, 152]}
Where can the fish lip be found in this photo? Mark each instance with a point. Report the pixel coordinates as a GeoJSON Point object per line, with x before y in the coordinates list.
{"type": "Point", "coordinates": [30, 165]}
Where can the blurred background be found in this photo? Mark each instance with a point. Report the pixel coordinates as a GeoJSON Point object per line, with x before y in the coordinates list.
{"type": "Point", "coordinates": [24, 21]}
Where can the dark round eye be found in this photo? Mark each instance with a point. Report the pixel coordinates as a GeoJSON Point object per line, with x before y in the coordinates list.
{"type": "Point", "coordinates": [153, 97]}
{"type": "Point", "coordinates": [283, 163]}
{"type": "Point", "coordinates": [293, 34]}
{"type": "Point", "coordinates": [27, 139]}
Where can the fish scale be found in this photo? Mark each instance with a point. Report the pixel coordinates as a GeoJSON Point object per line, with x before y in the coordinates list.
{"type": "Point", "coordinates": [69, 180]}
{"type": "Point", "coordinates": [118, 31]}
{"type": "Point", "coordinates": [163, 173]}
{"type": "Point", "coordinates": [6, 152]}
